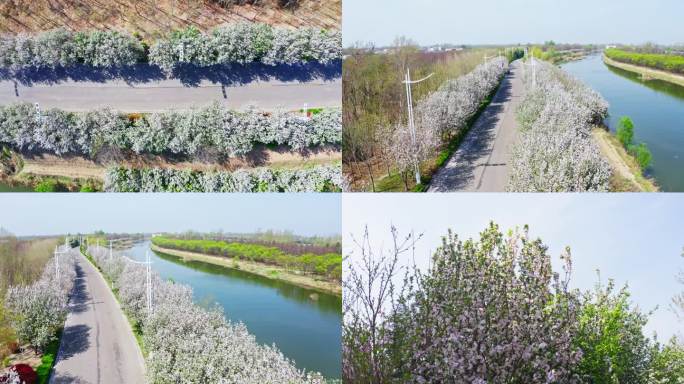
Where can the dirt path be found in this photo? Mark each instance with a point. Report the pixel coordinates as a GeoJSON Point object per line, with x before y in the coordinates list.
{"type": "Point", "coordinates": [617, 161]}
{"type": "Point", "coordinates": [481, 162]}
{"type": "Point", "coordinates": [83, 168]}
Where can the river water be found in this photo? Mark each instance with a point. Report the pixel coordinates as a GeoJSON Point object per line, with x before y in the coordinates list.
{"type": "Point", "coordinates": [655, 106]}
{"type": "Point", "coordinates": [305, 330]}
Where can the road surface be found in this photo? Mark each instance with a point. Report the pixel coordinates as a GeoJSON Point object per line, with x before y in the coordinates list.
{"type": "Point", "coordinates": [159, 95]}
{"type": "Point", "coordinates": [481, 162]}
{"type": "Point", "coordinates": [97, 345]}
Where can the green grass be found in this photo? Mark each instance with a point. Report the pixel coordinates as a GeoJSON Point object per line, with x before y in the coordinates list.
{"type": "Point", "coordinates": [314, 111]}
{"type": "Point", "coordinates": [669, 63]}
{"type": "Point", "coordinates": [48, 359]}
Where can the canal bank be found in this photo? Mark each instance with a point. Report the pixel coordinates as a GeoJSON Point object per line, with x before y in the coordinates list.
{"type": "Point", "coordinates": [264, 270]}
{"type": "Point", "coordinates": [646, 73]}
{"type": "Point", "coordinates": [304, 329]}
{"type": "Point", "coordinates": [656, 107]}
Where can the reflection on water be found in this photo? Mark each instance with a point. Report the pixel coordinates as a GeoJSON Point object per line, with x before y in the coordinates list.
{"type": "Point", "coordinates": [304, 324]}
{"type": "Point", "coordinates": [655, 106]}
{"type": "Point", "coordinates": [4, 187]}
{"type": "Point", "coordinates": [655, 84]}
{"type": "Point", "coordinates": [325, 302]}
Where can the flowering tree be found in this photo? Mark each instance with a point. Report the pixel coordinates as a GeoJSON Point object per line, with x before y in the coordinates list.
{"type": "Point", "coordinates": [448, 110]}
{"type": "Point", "coordinates": [556, 152]}
{"type": "Point", "coordinates": [232, 133]}
{"type": "Point", "coordinates": [41, 307]}
{"type": "Point", "coordinates": [62, 48]}
{"type": "Point", "coordinates": [246, 43]}
{"type": "Point", "coordinates": [324, 178]}
{"type": "Point", "coordinates": [489, 311]}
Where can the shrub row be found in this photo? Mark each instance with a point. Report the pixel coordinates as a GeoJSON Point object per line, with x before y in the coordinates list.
{"type": "Point", "coordinates": [670, 63]}
{"type": "Point", "coordinates": [443, 114]}
{"type": "Point", "coordinates": [246, 43]}
{"type": "Point", "coordinates": [227, 44]}
{"type": "Point", "coordinates": [40, 308]}
{"type": "Point", "coordinates": [448, 110]}
{"type": "Point", "coordinates": [326, 178]}
{"type": "Point", "coordinates": [186, 343]}
{"type": "Point", "coordinates": [62, 48]}
{"type": "Point", "coordinates": [188, 133]}
{"type": "Point", "coordinates": [555, 152]}
{"type": "Point", "coordinates": [327, 264]}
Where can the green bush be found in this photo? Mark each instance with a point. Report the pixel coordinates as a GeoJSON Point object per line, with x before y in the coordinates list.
{"type": "Point", "coordinates": [669, 63]}
{"type": "Point", "coordinates": [614, 349]}
{"type": "Point", "coordinates": [643, 155]}
{"type": "Point", "coordinates": [625, 131]}
{"type": "Point", "coordinates": [50, 185]}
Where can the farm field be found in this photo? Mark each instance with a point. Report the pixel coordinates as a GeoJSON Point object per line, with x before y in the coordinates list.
{"type": "Point", "coordinates": [154, 18]}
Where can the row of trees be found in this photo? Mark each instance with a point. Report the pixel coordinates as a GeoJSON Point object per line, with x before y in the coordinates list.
{"type": "Point", "coordinates": [556, 152]}
{"type": "Point", "coordinates": [374, 99]}
{"type": "Point", "coordinates": [324, 178]}
{"type": "Point", "coordinates": [441, 116]}
{"type": "Point", "coordinates": [671, 62]}
{"type": "Point", "coordinates": [39, 309]}
{"type": "Point", "coordinates": [326, 264]}
{"type": "Point", "coordinates": [227, 44]}
{"type": "Point", "coordinates": [246, 43]}
{"type": "Point", "coordinates": [187, 343]}
{"type": "Point", "coordinates": [493, 310]}
{"type": "Point", "coordinates": [62, 48]}
{"type": "Point", "coordinates": [193, 132]}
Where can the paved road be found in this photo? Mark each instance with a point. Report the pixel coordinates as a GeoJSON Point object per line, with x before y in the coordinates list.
{"type": "Point", "coordinates": [167, 94]}
{"type": "Point", "coordinates": [481, 162]}
{"type": "Point", "coordinates": [97, 345]}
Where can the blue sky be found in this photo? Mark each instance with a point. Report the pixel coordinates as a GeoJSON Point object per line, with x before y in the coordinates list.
{"type": "Point", "coordinates": [513, 21]}
{"type": "Point", "coordinates": [40, 214]}
{"type": "Point", "coordinates": [631, 238]}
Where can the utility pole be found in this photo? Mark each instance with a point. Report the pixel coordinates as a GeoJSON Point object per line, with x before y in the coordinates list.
{"type": "Point", "coordinates": [148, 278]}
{"type": "Point", "coordinates": [412, 126]}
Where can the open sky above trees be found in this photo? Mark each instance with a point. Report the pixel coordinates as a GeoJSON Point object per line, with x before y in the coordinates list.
{"type": "Point", "coordinates": [631, 238]}
{"type": "Point", "coordinates": [506, 22]}
{"type": "Point", "coordinates": [303, 214]}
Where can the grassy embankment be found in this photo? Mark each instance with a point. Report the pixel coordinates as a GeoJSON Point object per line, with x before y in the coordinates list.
{"type": "Point", "coordinates": [627, 174]}
{"type": "Point", "coordinates": [21, 263]}
{"type": "Point", "coordinates": [650, 68]}
{"type": "Point", "coordinates": [317, 272]}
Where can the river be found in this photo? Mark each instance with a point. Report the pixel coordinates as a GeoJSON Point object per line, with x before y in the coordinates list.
{"type": "Point", "coordinates": [305, 330]}
{"type": "Point", "coordinates": [655, 106]}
